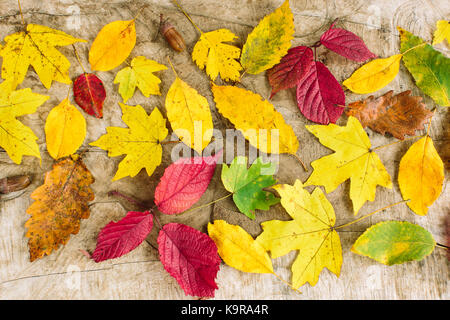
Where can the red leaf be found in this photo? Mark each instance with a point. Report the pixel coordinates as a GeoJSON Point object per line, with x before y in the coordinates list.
{"type": "Point", "coordinates": [319, 94]}
{"type": "Point", "coordinates": [291, 69]}
{"type": "Point", "coordinates": [89, 94]}
{"type": "Point", "coordinates": [347, 44]}
{"type": "Point", "coordinates": [119, 238]}
{"type": "Point", "coordinates": [191, 257]}
{"type": "Point", "coordinates": [183, 183]}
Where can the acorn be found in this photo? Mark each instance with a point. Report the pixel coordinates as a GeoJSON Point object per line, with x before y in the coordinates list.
{"type": "Point", "coordinates": [16, 183]}
{"type": "Point", "coordinates": [172, 36]}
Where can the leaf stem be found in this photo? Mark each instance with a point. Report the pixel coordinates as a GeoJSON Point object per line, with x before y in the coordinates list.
{"type": "Point", "coordinates": [207, 204]}
{"type": "Point", "coordinates": [132, 200]}
{"type": "Point", "coordinates": [21, 14]}
{"type": "Point", "coordinates": [395, 142]}
{"type": "Point", "coordinates": [286, 282]}
{"type": "Point", "coordinates": [300, 160]}
{"type": "Point", "coordinates": [187, 16]}
{"type": "Point", "coordinates": [171, 65]}
{"type": "Point", "coordinates": [442, 246]}
{"type": "Point", "coordinates": [78, 58]}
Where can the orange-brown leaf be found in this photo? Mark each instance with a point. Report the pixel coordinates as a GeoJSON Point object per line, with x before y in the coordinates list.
{"type": "Point", "coordinates": [399, 115]}
{"type": "Point", "coordinates": [60, 204]}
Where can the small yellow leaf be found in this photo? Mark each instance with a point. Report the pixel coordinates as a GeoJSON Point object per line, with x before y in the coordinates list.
{"type": "Point", "coordinates": [442, 32]}
{"type": "Point", "coordinates": [65, 130]}
{"type": "Point", "coordinates": [421, 175]}
{"type": "Point", "coordinates": [112, 45]}
{"type": "Point", "coordinates": [238, 249]}
{"type": "Point", "coordinates": [374, 75]}
{"type": "Point", "coordinates": [189, 115]}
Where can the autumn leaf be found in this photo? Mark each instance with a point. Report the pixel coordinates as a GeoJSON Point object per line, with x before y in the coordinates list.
{"type": "Point", "coordinates": [89, 93]}
{"type": "Point", "coordinates": [37, 47]}
{"type": "Point", "coordinates": [346, 44]}
{"type": "Point", "coordinates": [374, 75]}
{"type": "Point", "coordinates": [421, 175]}
{"type": "Point", "coordinates": [139, 74]}
{"type": "Point", "coordinates": [189, 115]}
{"type": "Point", "coordinates": [113, 45]}
{"type": "Point", "coordinates": [429, 67]}
{"type": "Point", "coordinates": [311, 232]}
{"type": "Point", "coordinates": [352, 160]}
{"type": "Point", "coordinates": [60, 204]}
{"type": "Point", "coordinates": [184, 182]}
{"type": "Point", "coordinates": [65, 130]}
{"type": "Point", "coordinates": [256, 118]}
{"type": "Point", "coordinates": [319, 95]}
{"type": "Point", "coordinates": [399, 115]}
{"type": "Point", "coordinates": [291, 69]}
{"type": "Point", "coordinates": [211, 53]}
{"type": "Point", "coordinates": [442, 32]}
{"type": "Point", "coordinates": [238, 249]}
{"type": "Point", "coordinates": [189, 256]}
{"type": "Point", "coordinates": [140, 142]}
{"type": "Point", "coordinates": [395, 242]}
{"type": "Point", "coordinates": [17, 139]}
{"type": "Point", "coordinates": [118, 238]}
{"type": "Point", "coordinates": [269, 41]}
{"type": "Point", "coordinates": [247, 184]}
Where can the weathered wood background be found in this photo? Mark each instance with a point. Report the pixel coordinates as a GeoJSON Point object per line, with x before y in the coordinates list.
{"type": "Point", "coordinates": [67, 274]}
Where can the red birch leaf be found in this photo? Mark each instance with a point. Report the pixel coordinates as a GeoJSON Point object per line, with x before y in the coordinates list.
{"type": "Point", "coordinates": [89, 94]}
{"type": "Point", "coordinates": [119, 238]}
{"type": "Point", "coordinates": [183, 183]}
{"type": "Point", "coordinates": [319, 95]}
{"type": "Point", "coordinates": [346, 44]}
{"type": "Point", "coordinates": [191, 257]}
{"type": "Point", "coordinates": [292, 67]}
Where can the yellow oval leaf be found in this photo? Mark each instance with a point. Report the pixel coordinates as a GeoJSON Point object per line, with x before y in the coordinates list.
{"type": "Point", "coordinates": [238, 249]}
{"type": "Point", "coordinates": [65, 130]}
{"type": "Point", "coordinates": [374, 75]}
{"type": "Point", "coordinates": [421, 175]}
{"type": "Point", "coordinates": [112, 45]}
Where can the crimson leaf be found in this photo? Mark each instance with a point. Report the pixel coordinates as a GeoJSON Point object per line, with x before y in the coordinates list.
{"type": "Point", "coordinates": [89, 94]}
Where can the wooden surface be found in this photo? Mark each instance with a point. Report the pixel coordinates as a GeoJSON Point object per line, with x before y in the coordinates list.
{"type": "Point", "coordinates": [67, 274]}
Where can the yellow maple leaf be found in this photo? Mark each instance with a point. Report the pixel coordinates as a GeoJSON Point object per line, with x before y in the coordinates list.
{"type": "Point", "coordinates": [442, 32]}
{"type": "Point", "coordinates": [255, 118]}
{"type": "Point", "coordinates": [218, 57]}
{"type": "Point", "coordinates": [140, 142]}
{"type": "Point", "coordinates": [311, 232]}
{"type": "Point", "coordinates": [352, 160]}
{"type": "Point", "coordinates": [113, 45]}
{"type": "Point", "coordinates": [189, 115]}
{"type": "Point", "coordinates": [65, 130]}
{"type": "Point", "coordinates": [139, 74]}
{"type": "Point", "coordinates": [36, 47]}
{"type": "Point", "coordinates": [269, 41]}
{"type": "Point", "coordinates": [421, 175]}
{"type": "Point", "coordinates": [16, 138]}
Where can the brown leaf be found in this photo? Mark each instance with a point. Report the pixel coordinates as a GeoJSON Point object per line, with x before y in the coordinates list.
{"type": "Point", "coordinates": [399, 115]}
{"type": "Point", "coordinates": [61, 202]}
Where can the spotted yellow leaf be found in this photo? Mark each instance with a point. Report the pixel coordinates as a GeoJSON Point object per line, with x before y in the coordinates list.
{"type": "Point", "coordinates": [442, 32]}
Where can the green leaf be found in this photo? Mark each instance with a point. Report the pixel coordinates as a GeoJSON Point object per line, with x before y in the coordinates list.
{"type": "Point", "coordinates": [429, 67]}
{"type": "Point", "coordinates": [247, 184]}
{"type": "Point", "coordinates": [395, 242]}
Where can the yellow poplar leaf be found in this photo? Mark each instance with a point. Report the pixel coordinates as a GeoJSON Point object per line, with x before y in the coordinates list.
{"type": "Point", "coordinates": [112, 45]}
{"type": "Point", "coordinates": [218, 57]}
{"type": "Point", "coordinates": [269, 41]}
{"type": "Point", "coordinates": [421, 175]}
{"type": "Point", "coordinates": [65, 130]}
{"type": "Point", "coordinates": [374, 75]}
{"type": "Point", "coordinates": [442, 32]}
{"type": "Point", "coordinates": [352, 160]}
{"type": "Point", "coordinates": [37, 47]}
{"type": "Point", "coordinates": [311, 231]}
{"type": "Point", "coordinates": [140, 142]}
{"type": "Point", "coordinates": [255, 118]}
{"type": "Point", "coordinates": [238, 249]}
{"type": "Point", "coordinates": [189, 115]}
{"type": "Point", "coordinates": [139, 74]}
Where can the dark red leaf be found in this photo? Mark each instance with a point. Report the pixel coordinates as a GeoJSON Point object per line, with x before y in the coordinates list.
{"type": "Point", "coordinates": [291, 69]}
{"type": "Point", "coordinates": [347, 44]}
{"type": "Point", "coordinates": [89, 94]}
{"type": "Point", "coordinates": [319, 95]}
{"type": "Point", "coordinates": [183, 183]}
{"type": "Point", "coordinates": [191, 257]}
{"type": "Point", "coordinates": [119, 238]}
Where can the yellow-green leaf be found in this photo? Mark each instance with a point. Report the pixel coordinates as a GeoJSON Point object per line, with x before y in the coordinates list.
{"type": "Point", "coordinates": [269, 41]}
{"type": "Point", "coordinates": [442, 32]}
{"type": "Point", "coordinates": [421, 175]}
{"type": "Point", "coordinates": [65, 130]}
